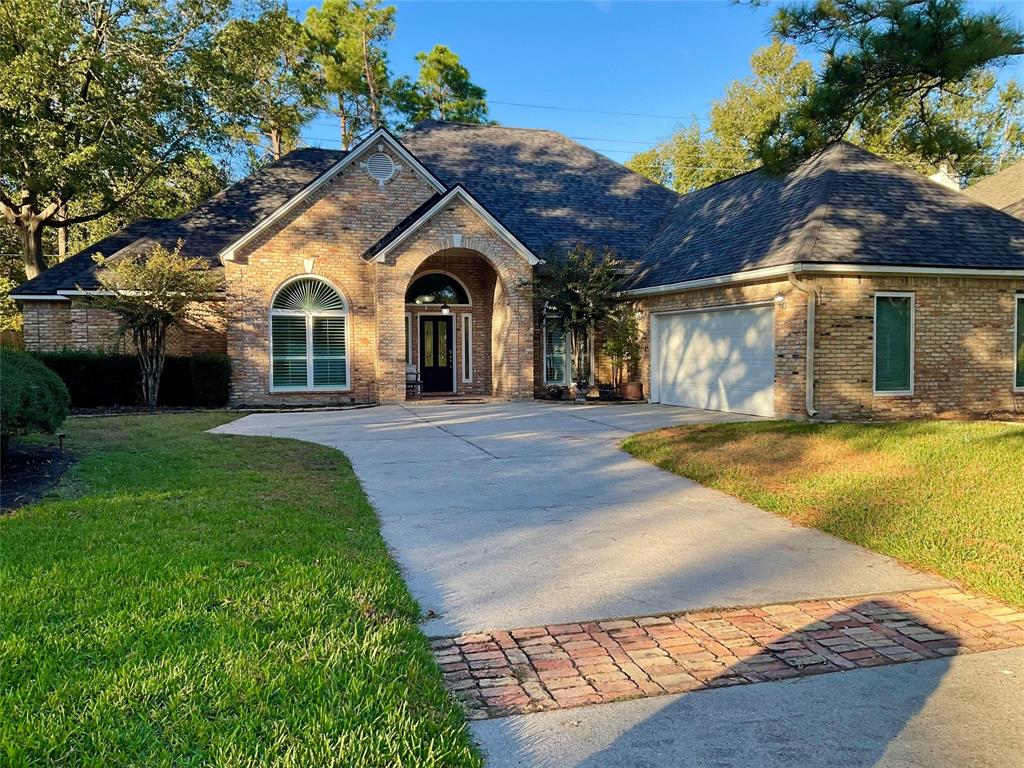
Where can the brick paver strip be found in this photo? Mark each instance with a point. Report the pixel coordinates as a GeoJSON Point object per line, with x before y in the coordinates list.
{"type": "Point", "coordinates": [532, 669]}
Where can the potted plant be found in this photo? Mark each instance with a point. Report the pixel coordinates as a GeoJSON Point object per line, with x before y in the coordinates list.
{"type": "Point", "coordinates": [578, 292]}
{"type": "Point", "coordinates": [622, 346]}
{"type": "Point", "coordinates": [556, 392]}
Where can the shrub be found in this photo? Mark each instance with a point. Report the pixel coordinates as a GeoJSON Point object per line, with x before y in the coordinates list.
{"type": "Point", "coordinates": [32, 398]}
{"type": "Point", "coordinates": [104, 379]}
{"type": "Point", "coordinates": [211, 379]}
{"type": "Point", "coordinates": [96, 378]}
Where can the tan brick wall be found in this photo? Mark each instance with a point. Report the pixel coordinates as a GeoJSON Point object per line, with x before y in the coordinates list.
{"type": "Point", "coordinates": [963, 358]}
{"type": "Point", "coordinates": [57, 325]}
{"type": "Point", "coordinates": [334, 229]}
{"type": "Point", "coordinates": [963, 345]}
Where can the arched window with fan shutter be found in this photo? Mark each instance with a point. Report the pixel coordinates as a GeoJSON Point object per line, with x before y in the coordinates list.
{"type": "Point", "coordinates": [308, 337]}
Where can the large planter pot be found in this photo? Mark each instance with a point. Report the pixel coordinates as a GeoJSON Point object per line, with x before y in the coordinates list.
{"type": "Point", "coordinates": [581, 392]}
{"type": "Point", "coordinates": [633, 390]}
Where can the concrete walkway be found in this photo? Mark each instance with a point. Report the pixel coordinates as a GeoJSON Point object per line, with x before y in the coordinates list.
{"type": "Point", "coordinates": [520, 514]}
{"type": "Point", "coordinates": [943, 713]}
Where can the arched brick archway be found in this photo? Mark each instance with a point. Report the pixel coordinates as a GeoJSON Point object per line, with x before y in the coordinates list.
{"type": "Point", "coordinates": [503, 305]}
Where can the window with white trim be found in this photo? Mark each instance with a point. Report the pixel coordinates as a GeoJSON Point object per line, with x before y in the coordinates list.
{"type": "Point", "coordinates": [894, 343]}
{"type": "Point", "coordinates": [308, 337]}
{"type": "Point", "coordinates": [559, 367]}
{"type": "Point", "coordinates": [408, 339]}
{"type": "Point", "coordinates": [467, 348]}
{"type": "Point", "coordinates": [1018, 338]}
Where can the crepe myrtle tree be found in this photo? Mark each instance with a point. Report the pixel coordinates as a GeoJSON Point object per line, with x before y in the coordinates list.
{"type": "Point", "coordinates": [152, 292]}
{"type": "Point", "coordinates": [578, 292]}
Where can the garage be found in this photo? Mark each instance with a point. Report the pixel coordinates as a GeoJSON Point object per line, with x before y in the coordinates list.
{"type": "Point", "coordinates": [720, 359]}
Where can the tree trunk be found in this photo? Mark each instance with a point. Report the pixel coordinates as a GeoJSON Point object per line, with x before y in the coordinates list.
{"type": "Point", "coordinates": [150, 345]}
{"type": "Point", "coordinates": [371, 85]}
{"type": "Point", "coordinates": [275, 143]}
{"type": "Point", "coordinates": [62, 233]}
{"type": "Point", "coordinates": [30, 232]}
{"type": "Point", "coordinates": [343, 116]}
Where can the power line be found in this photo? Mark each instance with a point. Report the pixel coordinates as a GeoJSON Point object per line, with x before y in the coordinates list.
{"type": "Point", "coordinates": [597, 111]}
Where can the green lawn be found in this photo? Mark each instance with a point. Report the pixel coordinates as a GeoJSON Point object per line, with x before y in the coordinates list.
{"type": "Point", "coordinates": [943, 496]}
{"type": "Point", "coordinates": [194, 599]}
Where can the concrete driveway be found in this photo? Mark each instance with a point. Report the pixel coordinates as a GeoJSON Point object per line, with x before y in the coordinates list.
{"type": "Point", "coordinates": [519, 514]}
{"type": "Point", "coordinates": [514, 515]}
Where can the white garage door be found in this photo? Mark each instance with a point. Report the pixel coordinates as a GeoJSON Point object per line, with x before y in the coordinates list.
{"type": "Point", "coordinates": [723, 360]}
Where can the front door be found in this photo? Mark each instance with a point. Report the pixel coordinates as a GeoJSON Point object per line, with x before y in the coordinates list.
{"type": "Point", "coordinates": [436, 353]}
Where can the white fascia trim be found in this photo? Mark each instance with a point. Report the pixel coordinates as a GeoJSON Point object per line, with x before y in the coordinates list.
{"type": "Point", "coordinates": [85, 293]}
{"type": "Point", "coordinates": [755, 275]}
{"type": "Point", "coordinates": [462, 194]}
{"type": "Point", "coordinates": [35, 297]}
{"type": "Point", "coordinates": [377, 137]}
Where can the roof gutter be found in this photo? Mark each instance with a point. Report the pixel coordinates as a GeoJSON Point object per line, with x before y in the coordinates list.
{"type": "Point", "coordinates": [782, 272]}
{"type": "Point", "coordinates": [812, 301]}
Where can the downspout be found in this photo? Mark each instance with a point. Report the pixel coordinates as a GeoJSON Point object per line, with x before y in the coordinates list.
{"type": "Point", "coordinates": [812, 301]}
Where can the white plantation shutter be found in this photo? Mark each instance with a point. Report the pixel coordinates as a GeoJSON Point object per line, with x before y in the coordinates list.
{"type": "Point", "coordinates": [308, 347]}
{"type": "Point", "coordinates": [329, 352]}
{"type": "Point", "coordinates": [289, 352]}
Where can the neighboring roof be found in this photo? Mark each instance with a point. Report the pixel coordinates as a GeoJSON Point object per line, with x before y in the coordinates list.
{"type": "Point", "coordinates": [842, 206]}
{"type": "Point", "coordinates": [205, 229]}
{"type": "Point", "coordinates": [1003, 190]}
{"type": "Point", "coordinates": [548, 190]}
{"type": "Point", "coordinates": [79, 269]}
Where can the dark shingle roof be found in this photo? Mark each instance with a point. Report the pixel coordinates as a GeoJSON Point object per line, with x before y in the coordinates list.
{"type": "Point", "coordinates": [79, 269]}
{"type": "Point", "coordinates": [205, 229]}
{"type": "Point", "coordinates": [842, 206]}
{"type": "Point", "coordinates": [548, 190]}
{"type": "Point", "coordinates": [1003, 190]}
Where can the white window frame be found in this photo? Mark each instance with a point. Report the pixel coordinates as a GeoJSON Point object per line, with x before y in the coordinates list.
{"type": "Point", "coordinates": [1016, 360]}
{"type": "Point", "coordinates": [467, 348]}
{"type": "Point", "coordinates": [409, 359]}
{"type": "Point", "coordinates": [343, 313]}
{"type": "Point", "coordinates": [874, 343]}
{"type": "Point", "coordinates": [568, 368]}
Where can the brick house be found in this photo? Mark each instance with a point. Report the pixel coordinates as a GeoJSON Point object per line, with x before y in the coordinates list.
{"type": "Point", "coordinates": [848, 288]}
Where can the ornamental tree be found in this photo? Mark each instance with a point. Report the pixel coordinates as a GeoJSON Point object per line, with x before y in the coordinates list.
{"type": "Point", "coordinates": [151, 293]}
{"type": "Point", "coordinates": [578, 292]}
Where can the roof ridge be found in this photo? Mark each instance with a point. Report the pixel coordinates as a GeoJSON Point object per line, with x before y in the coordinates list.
{"type": "Point", "coordinates": [824, 200]}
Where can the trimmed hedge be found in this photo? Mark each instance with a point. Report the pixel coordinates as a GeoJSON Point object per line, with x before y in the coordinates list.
{"type": "Point", "coordinates": [103, 379]}
{"type": "Point", "coordinates": [32, 398]}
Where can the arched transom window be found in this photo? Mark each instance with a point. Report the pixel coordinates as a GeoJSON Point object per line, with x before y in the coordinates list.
{"type": "Point", "coordinates": [436, 288]}
{"type": "Point", "coordinates": [308, 341]}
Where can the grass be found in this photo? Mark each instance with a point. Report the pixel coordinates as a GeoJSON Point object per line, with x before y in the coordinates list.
{"type": "Point", "coordinates": [946, 497]}
{"type": "Point", "coordinates": [193, 599]}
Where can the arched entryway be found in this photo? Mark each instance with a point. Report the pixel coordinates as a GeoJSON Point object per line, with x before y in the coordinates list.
{"type": "Point", "coordinates": [449, 317]}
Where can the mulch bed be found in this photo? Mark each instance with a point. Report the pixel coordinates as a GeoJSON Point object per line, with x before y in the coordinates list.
{"type": "Point", "coordinates": [29, 472]}
{"type": "Point", "coordinates": [534, 669]}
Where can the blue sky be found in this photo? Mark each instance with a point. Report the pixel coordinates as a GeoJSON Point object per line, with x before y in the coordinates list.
{"type": "Point", "coordinates": [669, 59]}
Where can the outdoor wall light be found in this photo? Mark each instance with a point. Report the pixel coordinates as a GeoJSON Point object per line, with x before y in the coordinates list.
{"type": "Point", "coordinates": [780, 299]}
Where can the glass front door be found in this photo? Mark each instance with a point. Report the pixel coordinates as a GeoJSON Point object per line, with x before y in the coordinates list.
{"type": "Point", "coordinates": [436, 358]}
